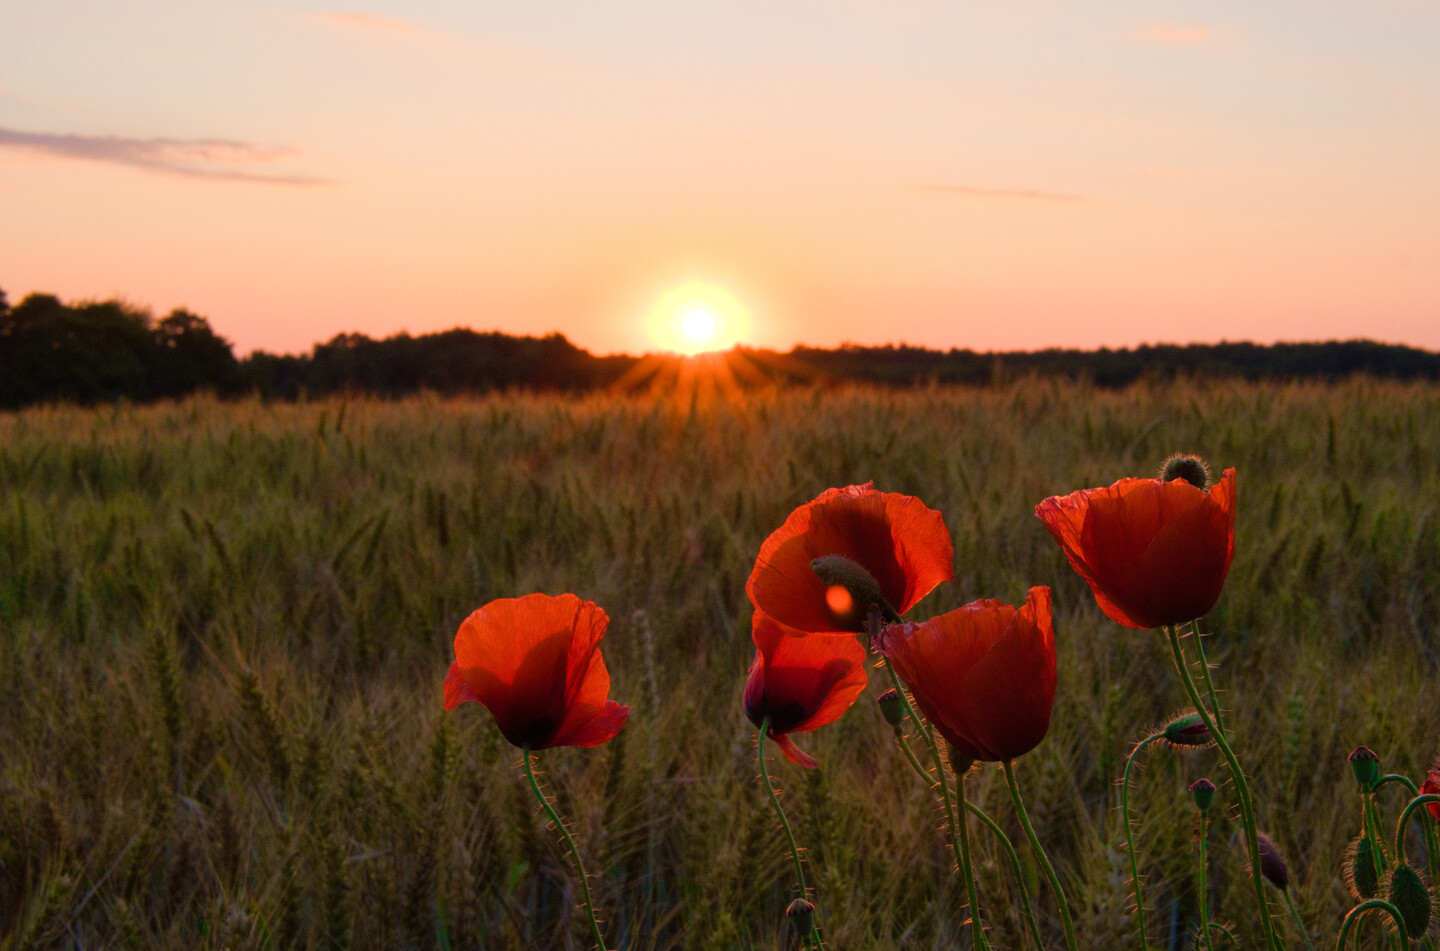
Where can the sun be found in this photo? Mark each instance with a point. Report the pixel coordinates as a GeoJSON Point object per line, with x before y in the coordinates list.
{"type": "Point", "coordinates": [697, 318]}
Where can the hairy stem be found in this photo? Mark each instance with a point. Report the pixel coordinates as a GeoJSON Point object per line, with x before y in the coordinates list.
{"type": "Point", "coordinates": [1242, 788]}
{"type": "Point", "coordinates": [570, 843]}
{"type": "Point", "coordinates": [1054, 879]}
{"type": "Point", "coordinates": [813, 938]}
{"type": "Point", "coordinates": [1130, 837]}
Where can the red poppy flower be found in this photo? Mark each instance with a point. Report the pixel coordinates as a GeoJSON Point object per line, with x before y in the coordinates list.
{"type": "Point", "coordinates": [535, 664]}
{"type": "Point", "coordinates": [800, 682]}
{"type": "Point", "coordinates": [1431, 787]}
{"type": "Point", "coordinates": [983, 674]}
{"type": "Point", "coordinates": [868, 545]}
{"type": "Point", "coordinates": [1155, 553]}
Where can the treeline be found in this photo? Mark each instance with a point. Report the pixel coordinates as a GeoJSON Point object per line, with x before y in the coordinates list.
{"type": "Point", "coordinates": [103, 351]}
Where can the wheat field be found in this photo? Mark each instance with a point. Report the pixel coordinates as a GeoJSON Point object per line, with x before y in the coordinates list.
{"type": "Point", "coordinates": [224, 626]}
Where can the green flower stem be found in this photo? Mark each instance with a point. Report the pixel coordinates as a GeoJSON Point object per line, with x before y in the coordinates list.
{"type": "Point", "coordinates": [1130, 837]}
{"type": "Point", "coordinates": [813, 938]}
{"type": "Point", "coordinates": [1064, 906]}
{"type": "Point", "coordinates": [1410, 807]}
{"type": "Point", "coordinates": [1242, 788]}
{"type": "Point", "coordinates": [1299, 922]}
{"type": "Point", "coordinates": [1431, 847]}
{"type": "Point", "coordinates": [570, 843]}
{"type": "Point", "coordinates": [1000, 835]}
{"type": "Point", "coordinates": [1204, 892]}
{"type": "Point", "coordinates": [977, 930]}
{"type": "Point", "coordinates": [1205, 672]}
{"type": "Point", "coordinates": [1359, 911]}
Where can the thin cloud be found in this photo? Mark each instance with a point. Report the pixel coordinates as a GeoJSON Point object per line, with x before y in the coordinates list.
{"type": "Point", "coordinates": [366, 22]}
{"type": "Point", "coordinates": [212, 159]}
{"type": "Point", "coordinates": [1171, 35]}
{"type": "Point", "coordinates": [1027, 194]}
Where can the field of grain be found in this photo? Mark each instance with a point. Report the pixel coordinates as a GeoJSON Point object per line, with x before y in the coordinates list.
{"type": "Point", "coordinates": [224, 626]}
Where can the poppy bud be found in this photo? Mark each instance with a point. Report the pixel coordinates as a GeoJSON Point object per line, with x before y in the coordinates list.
{"type": "Point", "coordinates": [802, 916]}
{"type": "Point", "coordinates": [1366, 767]}
{"type": "Point", "coordinates": [1190, 468]}
{"type": "Point", "coordinates": [1361, 875]}
{"type": "Point", "coordinates": [848, 584]}
{"type": "Point", "coordinates": [1272, 863]}
{"type": "Point", "coordinates": [892, 708]}
{"type": "Point", "coordinates": [1412, 899]}
{"type": "Point", "coordinates": [1188, 730]}
{"type": "Point", "coordinates": [1202, 791]}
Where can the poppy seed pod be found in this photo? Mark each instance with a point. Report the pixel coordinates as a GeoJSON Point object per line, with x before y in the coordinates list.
{"type": "Point", "coordinates": [1366, 767]}
{"type": "Point", "coordinates": [802, 916]}
{"type": "Point", "coordinates": [892, 708]}
{"type": "Point", "coordinates": [1202, 791]}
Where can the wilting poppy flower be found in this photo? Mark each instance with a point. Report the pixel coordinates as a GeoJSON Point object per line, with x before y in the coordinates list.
{"type": "Point", "coordinates": [1155, 553]}
{"type": "Point", "coordinates": [845, 550]}
{"type": "Point", "coordinates": [983, 674]}
{"type": "Point", "coordinates": [800, 682]}
{"type": "Point", "coordinates": [534, 662]}
{"type": "Point", "coordinates": [1431, 787]}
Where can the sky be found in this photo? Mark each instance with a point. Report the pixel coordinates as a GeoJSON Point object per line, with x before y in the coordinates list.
{"type": "Point", "coordinates": [992, 175]}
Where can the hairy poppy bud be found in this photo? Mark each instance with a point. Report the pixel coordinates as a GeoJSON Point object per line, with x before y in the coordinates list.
{"type": "Point", "coordinates": [1366, 767]}
{"type": "Point", "coordinates": [1187, 729]}
{"type": "Point", "coordinates": [1272, 863]}
{"type": "Point", "coordinates": [1361, 874]}
{"type": "Point", "coordinates": [1412, 899]}
{"type": "Point", "coordinates": [892, 708]}
{"type": "Point", "coordinates": [802, 916]}
{"type": "Point", "coordinates": [1190, 468]}
{"type": "Point", "coordinates": [1203, 792]}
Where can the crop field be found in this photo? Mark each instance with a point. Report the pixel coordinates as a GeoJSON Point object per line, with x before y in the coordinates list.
{"type": "Point", "coordinates": [224, 628]}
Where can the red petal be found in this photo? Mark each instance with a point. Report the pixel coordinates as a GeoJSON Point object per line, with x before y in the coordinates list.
{"type": "Point", "coordinates": [903, 544]}
{"type": "Point", "coordinates": [794, 753]}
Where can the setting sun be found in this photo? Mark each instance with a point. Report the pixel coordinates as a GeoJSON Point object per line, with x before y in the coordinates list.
{"type": "Point", "coordinates": [695, 318]}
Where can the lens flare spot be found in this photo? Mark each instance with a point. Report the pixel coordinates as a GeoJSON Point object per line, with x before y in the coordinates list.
{"type": "Point", "coordinates": [839, 600]}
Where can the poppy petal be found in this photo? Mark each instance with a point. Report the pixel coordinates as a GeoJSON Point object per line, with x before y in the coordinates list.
{"type": "Point", "coordinates": [792, 752]}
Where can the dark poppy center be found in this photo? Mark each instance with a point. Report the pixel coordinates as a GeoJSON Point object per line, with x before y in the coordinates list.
{"type": "Point", "coordinates": [786, 717]}
{"type": "Point", "coordinates": [536, 734]}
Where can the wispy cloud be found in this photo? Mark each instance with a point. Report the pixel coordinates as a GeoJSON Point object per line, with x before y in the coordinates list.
{"type": "Point", "coordinates": [366, 22]}
{"type": "Point", "coordinates": [1028, 194]}
{"type": "Point", "coordinates": [1172, 35]}
{"type": "Point", "coordinates": [215, 159]}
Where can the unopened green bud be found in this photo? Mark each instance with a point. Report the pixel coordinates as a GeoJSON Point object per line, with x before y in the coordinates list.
{"type": "Point", "coordinates": [1189, 730]}
{"type": "Point", "coordinates": [802, 917]}
{"type": "Point", "coordinates": [892, 708]}
{"type": "Point", "coordinates": [1366, 767]}
{"type": "Point", "coordinates": [1203, 792]}
{"type": "Point", "coordinates": [1361, 875]}
{"type": "Point", "coordinates": [1190, 468]}
{"type": "Point", "coordinates": [1412, 899]}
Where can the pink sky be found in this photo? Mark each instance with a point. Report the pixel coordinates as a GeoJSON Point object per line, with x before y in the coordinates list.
{"type": "Point", "coordinates": [994, 176]}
